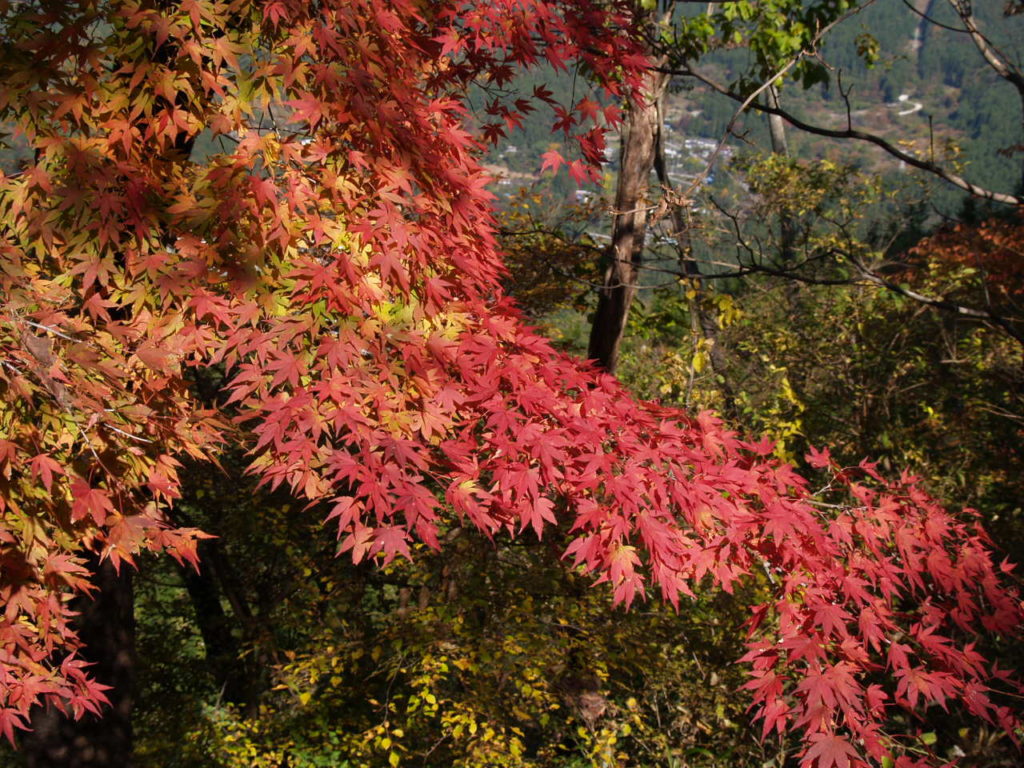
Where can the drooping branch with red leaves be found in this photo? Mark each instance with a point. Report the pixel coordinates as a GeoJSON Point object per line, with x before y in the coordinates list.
{"type": "Point", "coordinates": [331, 246]}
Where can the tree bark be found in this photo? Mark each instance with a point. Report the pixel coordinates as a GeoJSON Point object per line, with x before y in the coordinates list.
{"type": "Point", "coordinates": [629, 225]}
{"type": "Point", "coordinates": [237, 681]}
{"type": "Point", "coordinates": [780, 147]}
{"type": "Point", "coordinates": [703, 323]}
{"type": "Point", "coordinates": [106, 626]}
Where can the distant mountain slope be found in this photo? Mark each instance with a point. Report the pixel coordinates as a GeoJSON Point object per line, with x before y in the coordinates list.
{"type": "Point", "coordinates": [920, 83]}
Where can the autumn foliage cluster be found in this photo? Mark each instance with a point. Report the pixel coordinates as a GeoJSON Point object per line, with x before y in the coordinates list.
{"type": "Point", "coordinates": [988, 255]}
{"type": "Point", "coordinates": [334, 254]}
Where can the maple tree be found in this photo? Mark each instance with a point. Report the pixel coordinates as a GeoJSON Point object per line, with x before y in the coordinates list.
{"type": "Point", "coordinates": [335, 253]}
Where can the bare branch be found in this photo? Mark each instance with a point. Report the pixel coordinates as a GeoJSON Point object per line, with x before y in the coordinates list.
{"type": "Point", "coordinates": [932, 21]}
{"type": "Point", "coordinates": [852, 133]}
{"type": "Point", "coordinates": [995, 58]}
{"type": "Point", "coordinates": [985, 315]}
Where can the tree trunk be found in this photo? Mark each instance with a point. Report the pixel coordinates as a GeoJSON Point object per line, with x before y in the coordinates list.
{"type": "Point", "coordinates": [629, 225]}
{"type": "Point", "coordinates": [777, 131]}
{"type": "Point", "coordinates": [234, 675]}
{"type": "Point", "coordinates": [703, 323]}
{"type": "Point", "coordinates": [106, 626]}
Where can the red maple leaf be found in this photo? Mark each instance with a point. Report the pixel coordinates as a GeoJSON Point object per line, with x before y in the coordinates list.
{"type": "Point", "coordinates": [827, 750]}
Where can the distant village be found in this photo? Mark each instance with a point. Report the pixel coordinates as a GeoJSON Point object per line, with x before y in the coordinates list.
{"type": "Point", "coordinates": [691, 162]}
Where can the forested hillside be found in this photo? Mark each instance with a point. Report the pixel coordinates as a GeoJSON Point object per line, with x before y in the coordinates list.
{"type": "Point", "coordinates": [953, 104]}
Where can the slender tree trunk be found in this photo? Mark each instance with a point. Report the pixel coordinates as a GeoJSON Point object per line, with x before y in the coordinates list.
{"type": "Point", "coordinates": [776, 125]}
{"type": "Point", "coordinates": [106, 625]}
{"type": "Point", "coordinates": [629, 225]}
{"type": "Point", "coordinates": [703, 323]}
{"type": "Point", "coordinates": [777, 131]}
{"type": "Point", "coordinates": [787, 226]}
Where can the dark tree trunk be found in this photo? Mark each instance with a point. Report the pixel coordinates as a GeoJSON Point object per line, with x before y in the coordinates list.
{"type": "Point", "coordinates": [639, 137]}
{"type": "Point", "coordinates": [106, 626]}
{"type": "Point", "coordinates": [238, 682]}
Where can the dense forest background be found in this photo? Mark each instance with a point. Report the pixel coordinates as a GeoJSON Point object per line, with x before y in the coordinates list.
{"type": "Point", "coordinates": [277, 652]}
{"type": "Point", "coordinates": [967, 113]}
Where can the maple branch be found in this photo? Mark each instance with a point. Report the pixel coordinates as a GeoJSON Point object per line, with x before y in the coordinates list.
{"type": "Point", "coordinates": [1004, 323]}
{"type": "Point", "coordinates": [45, 357]}
{"type": "Point", "coordinates": [129, 435]}
{"type": "Point", "coordinates": [866, 275]}
{"type": "Point", "coordinates": [1001, 412]}
{"type": "Point", "coordinates": [49, 329]}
